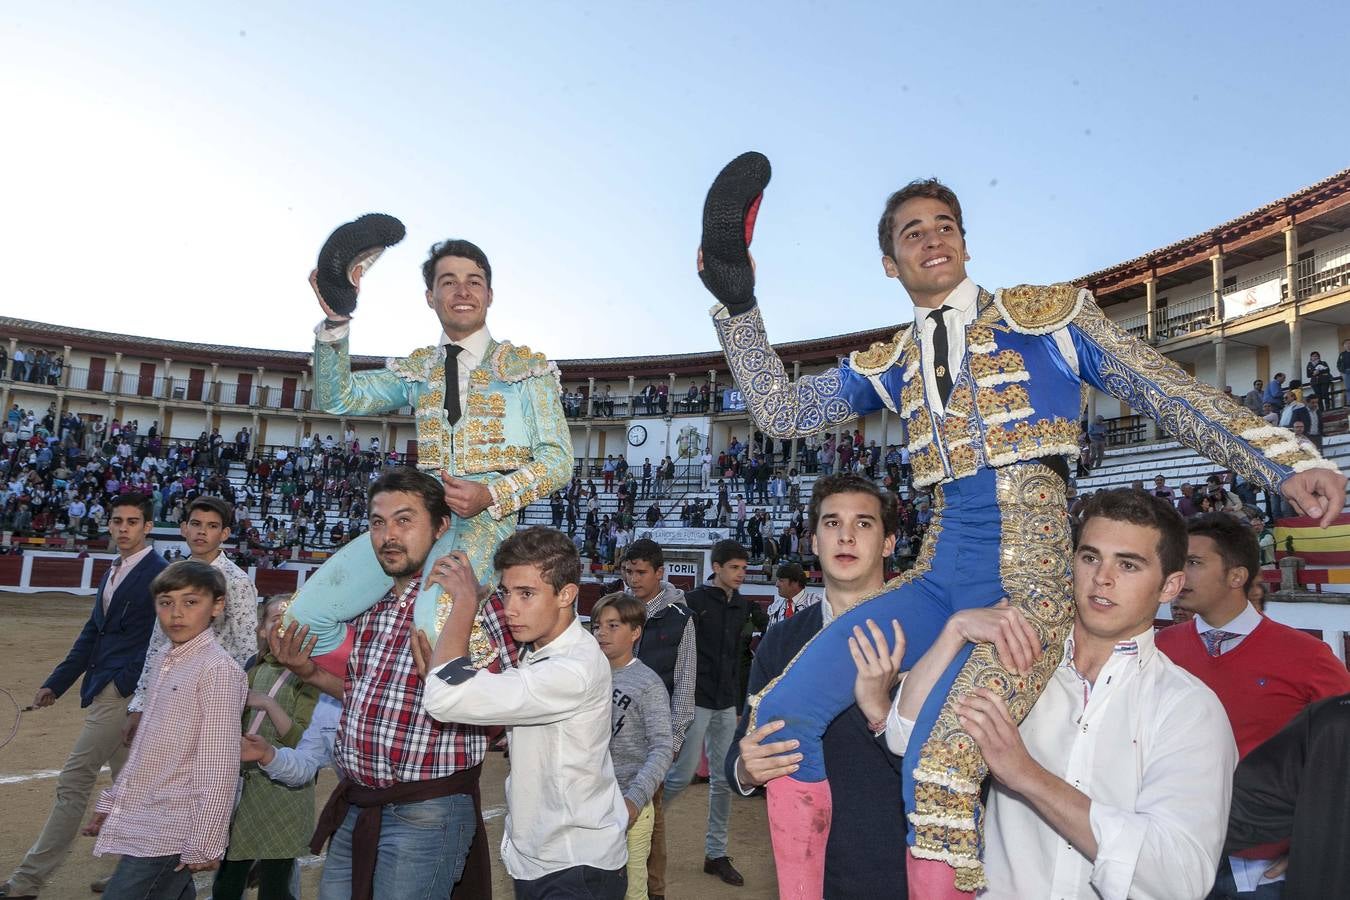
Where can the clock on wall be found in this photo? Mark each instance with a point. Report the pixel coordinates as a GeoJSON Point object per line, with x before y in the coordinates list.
{"type": "Point", "coordinates": [637, 435]}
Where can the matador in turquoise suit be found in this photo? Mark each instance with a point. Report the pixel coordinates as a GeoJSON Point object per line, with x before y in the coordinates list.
{"type": "Point", "coordinates": [990, 387]}
{"type": "Point", "coordinates": [490, 425]}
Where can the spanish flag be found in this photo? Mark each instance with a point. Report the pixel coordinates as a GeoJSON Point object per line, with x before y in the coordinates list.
{"type": "Point", "coordinates": [1301, 536]}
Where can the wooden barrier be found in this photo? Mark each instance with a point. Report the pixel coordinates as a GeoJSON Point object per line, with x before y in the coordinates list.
{"type": "Point", "coordinates": [37, 571]}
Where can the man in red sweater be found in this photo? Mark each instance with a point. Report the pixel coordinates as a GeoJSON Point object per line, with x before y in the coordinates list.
{"type": "Point", "coordinates": [1263, 672]}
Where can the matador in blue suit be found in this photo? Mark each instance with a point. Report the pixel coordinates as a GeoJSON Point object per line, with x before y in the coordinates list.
{"type": "Point", "coordinates": [990, 387]}
{"type": "Point", "coordinates": [490, 426]}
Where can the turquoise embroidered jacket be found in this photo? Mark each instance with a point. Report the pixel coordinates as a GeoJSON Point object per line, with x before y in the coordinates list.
{"type": "Point", "coordinates": [512, 435]}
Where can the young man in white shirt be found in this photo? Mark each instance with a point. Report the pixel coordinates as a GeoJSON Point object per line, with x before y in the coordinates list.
{"type": "Point", "coordinates": [1117, 783]}
{"type": "Point", "coordinates": [566, 820]}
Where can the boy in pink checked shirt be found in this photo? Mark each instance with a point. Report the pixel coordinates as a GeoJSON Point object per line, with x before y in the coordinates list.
{"type": "Point", "coordinates": [168, 813]}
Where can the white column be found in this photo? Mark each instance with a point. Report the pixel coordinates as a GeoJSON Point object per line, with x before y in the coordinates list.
{"type": "Point", "coordinates": [1151, 305]}
{"type": "Point", "coordinates": [1216, 266]}
{"type": "Point", "coordinates": [1291, 261]}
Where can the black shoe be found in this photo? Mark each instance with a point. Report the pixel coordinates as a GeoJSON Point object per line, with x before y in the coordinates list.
{"type": "Point", "coordinates": [723, 869]}
{"type": "Point", "coordinates": [5, 891]}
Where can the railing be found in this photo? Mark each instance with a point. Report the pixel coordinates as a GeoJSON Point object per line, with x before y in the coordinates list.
{"type": "Point", "coordinates": [1136, 325]}
{"type": "Point", "coordinates": [576, 405]}
{"type": "Point", "coordinates": [79, 379]}
{"type": "Point", "coordinates": [32, 373]}
{"type": "Point", "coordinates": [42, 379]}
{"type": "Point", "coordinates": [1123, 431]}
{"type": "Point", "coordinates": [1189, 315]}
{"type": "Point", "coordinates": [1252, 281]}
{"type": "Point", "coordinates": [1327, 270]}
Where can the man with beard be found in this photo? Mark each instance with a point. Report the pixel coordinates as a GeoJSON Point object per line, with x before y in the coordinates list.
{"type": "Point", "coordinates": [404, 819]}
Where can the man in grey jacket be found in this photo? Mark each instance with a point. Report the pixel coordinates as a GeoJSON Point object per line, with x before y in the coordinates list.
{"type": "Point", "coordinates": [667, 648]}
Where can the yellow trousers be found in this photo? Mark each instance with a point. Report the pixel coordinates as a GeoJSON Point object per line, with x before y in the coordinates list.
{"type": "Point", "coordinates": [639, 844]}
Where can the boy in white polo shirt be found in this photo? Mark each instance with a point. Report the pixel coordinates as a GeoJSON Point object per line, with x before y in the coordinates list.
{"type": "Point", "coordinates": [566, 819]}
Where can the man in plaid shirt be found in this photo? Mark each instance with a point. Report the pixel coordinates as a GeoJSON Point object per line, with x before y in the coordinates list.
{"type": "Point", "coordinates": [404, 819]}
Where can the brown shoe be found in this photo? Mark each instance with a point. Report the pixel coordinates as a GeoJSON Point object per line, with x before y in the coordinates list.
{"type": "Point", "coordinates": [100, 885]}
{"type": "Point", "coordinates": [723, 869]}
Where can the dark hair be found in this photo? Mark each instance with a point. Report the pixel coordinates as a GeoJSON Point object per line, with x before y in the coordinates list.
{"type": "Point", "coordinates": [407, 480]}
{"type": "Point", "coordinates": [1235, 541]}
{"type": "Point", "coordinates": [792, 572]}
{"type": "Point", "coordinates": [632, 611]}
{"type": "Point", "coordinates": [188, 573]}
{"type": "Point", "coordinates": [144, 502]}
{"type": "Point", "coordinates": [645, 550]}
{"type": "Point", "coordinates": [551, 551]}
{"type": "Point", "coordinates": [725, 551]}
{"type": "Point", "coordinates": [215, 505]}
{"type": "Point", "coordinates": [921, 187]}
{"type": "Point", "coordinates": [1138, 508]}
{"type": "Point", "coordinates": [455, 247]}
{"type": "Point", "coordinates": [848, 483]}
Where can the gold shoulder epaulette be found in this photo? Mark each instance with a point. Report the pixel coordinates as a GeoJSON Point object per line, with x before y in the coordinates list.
{"type": "Point", "coordinates": [1039, 309]}
{"type": "Point", "coordinates": [879, 357]}
{"type": "Point", "coordinates": [416, 366]}
{"type": "Point", "coordinates": [511, 363]}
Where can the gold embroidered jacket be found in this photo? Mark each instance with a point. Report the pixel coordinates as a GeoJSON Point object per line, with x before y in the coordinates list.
{"type": "Point", "coordinates": [1017, 397]}
{"type": "Point", "coordinates": [512, 435]}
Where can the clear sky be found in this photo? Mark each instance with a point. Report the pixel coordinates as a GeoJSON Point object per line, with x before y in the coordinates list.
{"type": "Point", "coordinates": [171, 169]}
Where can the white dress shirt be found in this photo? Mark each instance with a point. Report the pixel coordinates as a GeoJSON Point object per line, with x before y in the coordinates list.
{"type": "Point", "coordinates": [563, 803]}
{"type": "Point", "coordinates": [119, 573]}
{"type": "Point", "coordinates": [1151, 747]}
{"type": "Point", "coordinates": [475, 348]}
{"type": "Point", "coordinates": [962, 310]}
{"type": "Point", "coordinates": [1243, 625]}
{"type": "Point", "coordinates": [777, 610]}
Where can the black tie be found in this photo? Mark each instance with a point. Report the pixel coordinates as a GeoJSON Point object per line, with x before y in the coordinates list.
{"type": "Point", "coordinates": [452, 409]}
{"type": "Point", "coordinates": [940, 362]}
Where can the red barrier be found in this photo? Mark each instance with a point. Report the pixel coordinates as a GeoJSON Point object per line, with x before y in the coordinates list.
{"type": "Point", "coordinates": [11, 569]}
{"type": "Point", "coordinates": [591, 591]}
{"type": "Point", "coordinates": [56, 572]}
{"type": "Point", "coordinates": [101, 567]}
{"type": "Point", "coordinates": [276, 581]}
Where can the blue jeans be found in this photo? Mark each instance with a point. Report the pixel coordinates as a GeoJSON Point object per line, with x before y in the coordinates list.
{"type": "Point", "coordinates": [421, 852]}
{"type": "Point", "coordinates": [576, 883]}
{"type": "Point", "coordinates": [150, 878]}
{"type": "Point", "coordinates": [1225, 887]}
{"type": "Point", "coordinates": [713, 729]}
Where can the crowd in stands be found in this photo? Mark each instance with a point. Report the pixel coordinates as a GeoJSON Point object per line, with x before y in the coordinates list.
{"type": "Point", "coordinates": [652, 400]}
{"type": "Point", "coordinates": [32, 365]}
{"type": "Point", "coordinates": [61, 479]}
